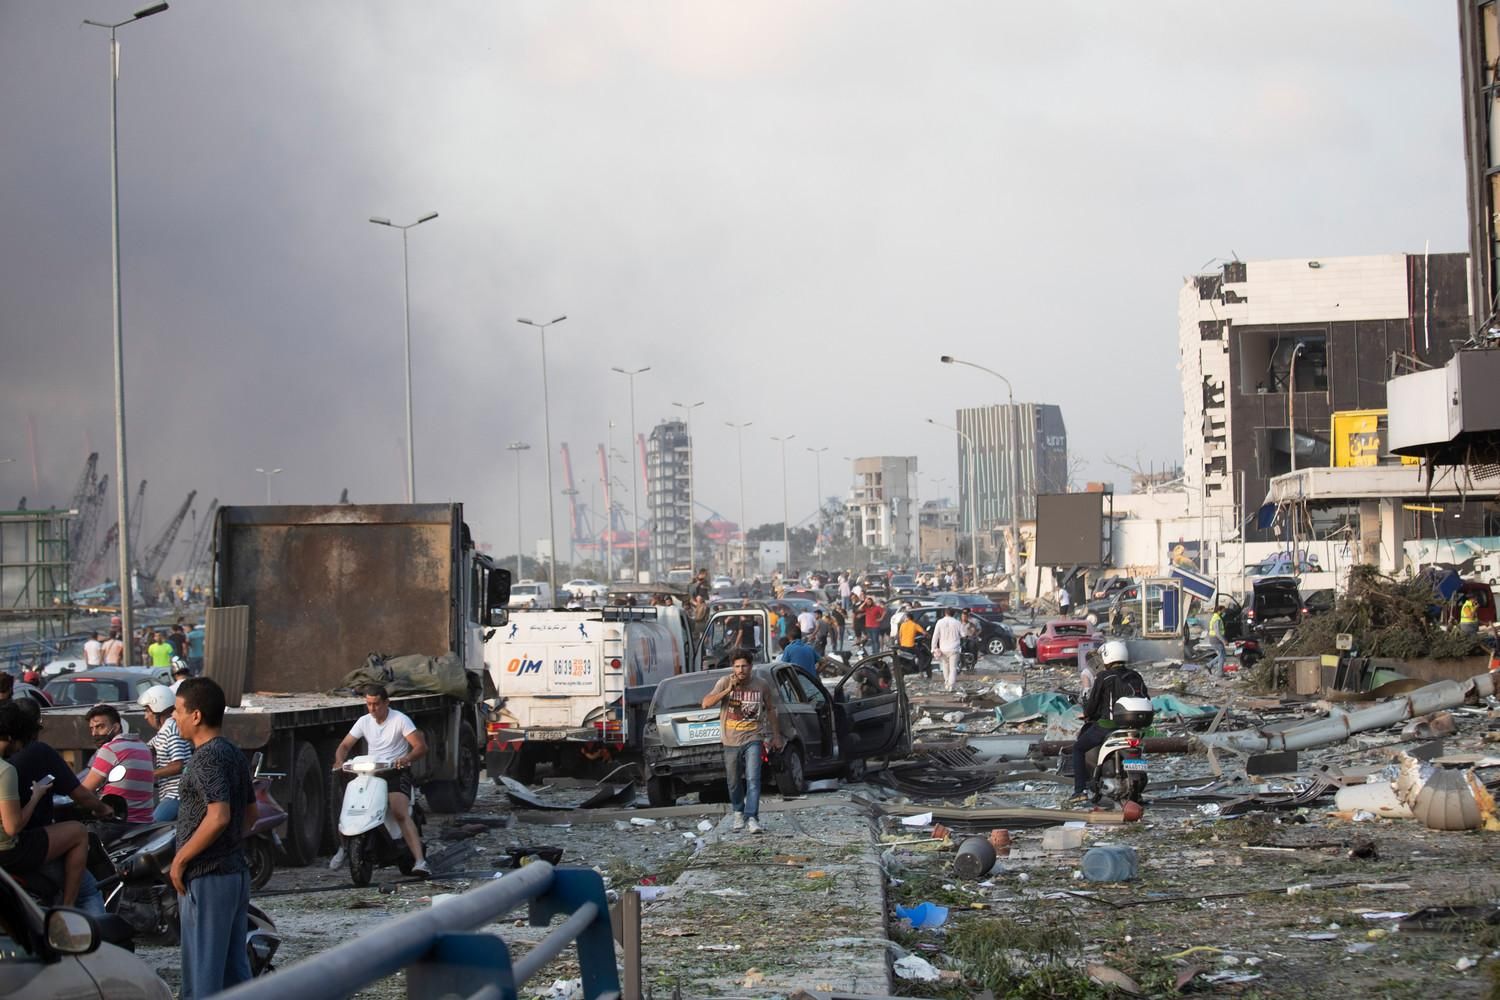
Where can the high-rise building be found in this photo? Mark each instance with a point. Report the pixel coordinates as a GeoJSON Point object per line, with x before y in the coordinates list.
{"type": "Point", "coordinates": [669, 469]}
{"type": "Point", "coordinates": [1040, 458]}
{"type": "Point", "coordinates": [1271, 349]}
{"type": "Point", "coordinates": [881, 506]}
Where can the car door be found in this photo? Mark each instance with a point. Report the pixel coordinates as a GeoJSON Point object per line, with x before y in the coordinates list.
{"type": "Point", "coordinates": [799, 719]}
{"type": "Point", "coordinates": [869, 703]}
{"type": "Point", "coordinates": [826, 744]}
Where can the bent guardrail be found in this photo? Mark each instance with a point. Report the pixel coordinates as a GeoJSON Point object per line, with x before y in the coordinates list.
{"type": "Point", "coordinates": [443, 956]}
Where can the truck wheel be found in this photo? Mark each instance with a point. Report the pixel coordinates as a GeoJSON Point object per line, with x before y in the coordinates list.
{"type": "Point", "coordinates": [791, 778]}
{"type": "Point", "coordinates": [659, 792]}
{"type": "Point", "coordinates": [306, 806]}
{"type": "Point", "coordinates": [456, 796]}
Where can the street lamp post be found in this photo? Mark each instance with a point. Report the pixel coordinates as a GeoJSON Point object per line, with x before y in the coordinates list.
{"type": "Point", "coordinates": [541, 329]}
{"type": "Point", "coordinates": [268, 473]}
{"type": "Point", "coordinates": [411, 459]}
{"type": "Point", "coordinates": [739, 435]}
{"type": "Point", "coordinates": [973, 497]}
{"type": "Point", "coordinates": [786, 516]}
{"type": "Point", "coordinates": [518, 447]}
{"type": "Point", "coordinates": [122, 504]}
{"type": "Point", "coordinates": [635, 480]}
{"type": "Point", "coordinates": [1013, 550]}
{"type": "Point", "coordinates": [1291, 411]}
{"type": "Point", "coordinates": [817, 454]}
{"type": "Point", "coordinates": [688, 409]}
{"type": "Point", "coordinates": [609, 508]}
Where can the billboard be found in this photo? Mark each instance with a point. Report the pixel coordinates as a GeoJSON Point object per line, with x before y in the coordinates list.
{"type": "Point", "coordinates": [1361, 438]}
{"type": "Point", "coordinates": [1069, 529]}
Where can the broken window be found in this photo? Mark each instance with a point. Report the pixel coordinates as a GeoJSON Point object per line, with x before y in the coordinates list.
{"type": "Point", "coordinates": [1269, 359]}
{"type": "Point", "coordinates": [1275, 450]}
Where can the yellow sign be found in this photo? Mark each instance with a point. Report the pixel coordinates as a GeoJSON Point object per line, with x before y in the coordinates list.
{"type": "Point", "coordinates": [1359, 439]}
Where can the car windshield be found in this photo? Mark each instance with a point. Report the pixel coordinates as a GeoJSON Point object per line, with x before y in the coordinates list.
{"type": "Point", "coordinates": [903, 581]}
{"type": "Point", "coordinates": [88, 691]}
{"type": "Point", "coordinates": [685, 692]}
{"type": "Point", "coordinates": [1070, 628]}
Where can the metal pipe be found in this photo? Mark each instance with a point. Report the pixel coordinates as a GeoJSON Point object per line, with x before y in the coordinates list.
{"type": "Point", "coordinates": [552, 945]}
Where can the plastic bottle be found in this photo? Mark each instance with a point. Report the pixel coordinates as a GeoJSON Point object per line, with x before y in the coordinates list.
{"type": "Point", "coordinates": [1109, 863]}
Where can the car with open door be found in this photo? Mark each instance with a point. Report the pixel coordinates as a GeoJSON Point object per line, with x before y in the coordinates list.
{"type": "Point", "coordinates": [828, 731]}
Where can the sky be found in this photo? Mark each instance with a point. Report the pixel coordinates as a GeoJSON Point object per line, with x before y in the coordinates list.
{"type": "Point", "coordinates": [787, 210]}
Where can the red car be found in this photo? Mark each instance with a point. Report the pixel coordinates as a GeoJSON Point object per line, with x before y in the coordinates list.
{"type": "Point", "coordinates": [1059, 640]}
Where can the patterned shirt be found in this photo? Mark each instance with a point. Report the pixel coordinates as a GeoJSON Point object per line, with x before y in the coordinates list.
{"type": "Point", "coordinates": [135, 787]}
{"type": "Point", "coordinates": [745, 713]}
{"type": "Point", "coordinates": [217, 772]}
{"type": "Point", "coordinates": [168, 746]}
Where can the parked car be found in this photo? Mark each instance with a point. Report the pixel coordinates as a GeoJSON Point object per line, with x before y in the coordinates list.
{"type": "Point", "coordinates": [1059, 640]}
{"type": "Point", "coordinates": [995, 637]}
{"type": "Point", "coordinates": [827, 732]}
{"type": "Point", "coordinates": [1282, 565]}
{"type": "Point", "coordinates": [61, 953]}
{"type": "Point", "coordinates": [102, 685]}
{"type": "Point", "coordinates": [530, 595]}
{"type": "Point", "coordinates": [1317, 602]}
{"type": "Point", "coordinates": [1110, 586]}
{"type": "Point", "coordinates": [1103, 608]}
{"type": "Point", "coordinates": [1274, 608]}
{"type": "Point", "coordinates": [875, 585]}
{"type": "Point", "coordinates": [906, 585]}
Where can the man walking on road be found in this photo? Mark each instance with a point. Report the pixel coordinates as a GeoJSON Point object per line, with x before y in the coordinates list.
{"type": "Point", "coordinates": [1216, 640]}
{"type": "Point", "coordinates": [748, 714]}
{"type": "Point", "coordinates": [210, 873]}
{"type": "Point", "coordinates": [948, 643]}
{"type": "Point", "coordinates": [390, 735]}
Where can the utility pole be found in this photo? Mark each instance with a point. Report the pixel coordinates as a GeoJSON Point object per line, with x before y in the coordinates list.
{"type": "Point", "coordinates": [635, 480]}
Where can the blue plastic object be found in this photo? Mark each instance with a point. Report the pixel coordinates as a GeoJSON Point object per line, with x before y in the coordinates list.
{"type": "Point", "coordinates": [924, 916]}
{"type": "Point", "coordinates": [1109, 863]}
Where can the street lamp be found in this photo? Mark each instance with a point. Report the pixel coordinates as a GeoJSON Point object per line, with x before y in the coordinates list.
{"type": "Point", "coordinates": [541, 328]}
{"type": "Point", "coordinates": [973, 498]}
{"type": "Point", "coordinates": [268, 473]}
{"type": "Point", "coordinates": [786, 516]}
{"type": "Point", "coordinates": [688, 409]}
{"type": "Point", "coordinates": [1291, 410]}
{"type": "Point", "coordinates": [122, 506]}
{"type": "Point", "coordinates": [411, 461]}
{"type": "Point", "coordinates": [635, 480]}
{"type": "Point", "coordinates": [518, 447]}
{"type": "Point", "coordinates": [817, 454]}
{"type": "Point", "coordinates": [1013, 549]}
{"type": "Point", "coordinates": [739, 434]}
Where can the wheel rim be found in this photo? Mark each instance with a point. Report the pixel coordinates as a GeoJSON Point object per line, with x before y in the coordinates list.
{"type": "Point", "coordinates": [995, 647]}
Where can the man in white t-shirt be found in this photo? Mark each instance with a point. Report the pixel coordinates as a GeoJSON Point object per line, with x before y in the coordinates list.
{"type": "Point", "coordinates": [948, 643]}
{"type": "Point", "coordinates": [390, 735]}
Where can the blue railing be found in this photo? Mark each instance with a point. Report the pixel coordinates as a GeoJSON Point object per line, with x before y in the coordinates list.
{"type": "Point", "coordinates": [442, 955]}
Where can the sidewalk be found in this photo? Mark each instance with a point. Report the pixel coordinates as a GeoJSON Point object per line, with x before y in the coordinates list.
{"type": "Point", "coordinates": [801, 905]}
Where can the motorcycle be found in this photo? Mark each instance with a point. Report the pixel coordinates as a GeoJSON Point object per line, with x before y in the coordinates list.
{"type": "Point", "coordinates": [917, 659]}
{"type": "Point", "coordinates": [263, 845]}
{"type": "Point", "coordinates": [370, 833]}
{"type": "Point", "coordinates": [1118, 765]}
{"type": "Point", "coordinates": [968, 660]}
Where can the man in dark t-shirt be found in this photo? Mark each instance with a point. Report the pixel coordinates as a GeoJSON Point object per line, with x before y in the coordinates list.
{"type": "Point", "coordinates": [210, 873]}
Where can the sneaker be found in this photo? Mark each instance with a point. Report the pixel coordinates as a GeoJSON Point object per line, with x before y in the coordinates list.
{"type": "Point", "coordinates": [739, 822]}
{"type": "Point", "coordinates": [1077, 799]}
{"type": "Point", "coordinates": [420, 868]}
{"type": "Point", "coordinates": [752, 825]}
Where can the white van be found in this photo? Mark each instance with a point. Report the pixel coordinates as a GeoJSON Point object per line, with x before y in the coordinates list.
{"type": "Point", "coordinates": [531, 595]}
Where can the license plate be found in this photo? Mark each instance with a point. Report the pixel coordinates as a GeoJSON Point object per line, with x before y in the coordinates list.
{"type": "Point", "coordinates": [702, 731]}
{"type": "Point", "coordinates": [546, 734]}
{"type": "Point", "coordinates": [1134, 764]}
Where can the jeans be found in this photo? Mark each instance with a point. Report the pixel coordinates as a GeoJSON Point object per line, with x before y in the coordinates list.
{"type": "Point", "coordinates": [1091, 738]}
{"type": "Point", "coordinates": [165, 812]}
{"type": "Point", "coordinates": [90, 899]}
{"type": "Point", "coordinates": [1217, 663]}
{"type": "Point", "coordinates": [742, 768]}
{"type": "Point", "coordinates": [214, 920]}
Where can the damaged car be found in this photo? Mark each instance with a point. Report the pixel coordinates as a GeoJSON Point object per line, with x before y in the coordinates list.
{"type": "Point", "coordinates": [827, 732]}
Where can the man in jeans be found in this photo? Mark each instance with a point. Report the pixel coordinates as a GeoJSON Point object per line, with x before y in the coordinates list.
{"type": "Point", "coordinates": [210, 873]}
{"type": "Point", "coordinates": [747, 719]}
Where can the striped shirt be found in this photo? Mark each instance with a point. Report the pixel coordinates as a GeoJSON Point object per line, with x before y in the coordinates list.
{"type": "Point", "coordinates": [135, 787]}
{"type": "Point", "coordinates": [168, 746]}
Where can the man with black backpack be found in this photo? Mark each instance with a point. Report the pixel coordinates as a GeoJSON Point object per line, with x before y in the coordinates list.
{"type": "Point", "coordinates": [1117, 681]}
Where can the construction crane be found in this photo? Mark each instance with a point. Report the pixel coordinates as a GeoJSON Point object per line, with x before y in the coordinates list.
{"type": "Point", "coordinates": [91, 569]}
{"type": "Point", "coordinates": [203, 533]}
{"type": "Point", "coordinates": [150, 564]}
{"type": "Point", "coordinates": [579, 535]}
{"type": "Point", "coordinates": [88, 483]}
{"type": "Point", "coordinates": [136, 518]}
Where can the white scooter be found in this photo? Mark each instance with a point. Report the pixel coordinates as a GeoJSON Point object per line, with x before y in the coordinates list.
{"type": "Point", "coordinates": [371, 835]}
{"type": "Point", "coordinates": [1118, 765]}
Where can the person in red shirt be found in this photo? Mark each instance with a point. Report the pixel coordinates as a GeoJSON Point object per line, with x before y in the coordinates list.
{"type": "Point", "coordinates": [119, 747]}
{"type": "Point", "coordinates": [872, 613]}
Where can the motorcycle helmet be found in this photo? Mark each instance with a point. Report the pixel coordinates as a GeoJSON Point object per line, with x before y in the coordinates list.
{"type": "Point", "coordinates": [159, 698]}
{"type": "Point", "coordinates": [1113, 652]}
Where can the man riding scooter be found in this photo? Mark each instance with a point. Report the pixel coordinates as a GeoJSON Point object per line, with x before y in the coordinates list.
{"type": "Point", "coordinates": [1117, 681]}
{"type": "Point", "coordinates": [390, 735]}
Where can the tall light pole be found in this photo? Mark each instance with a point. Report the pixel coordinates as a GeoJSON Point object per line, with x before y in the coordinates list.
{"type": "Point", "coordinates": [518, 447]}
{"type": "Point", "coordinates": [268, 473]}
{"type": "Point", "coordinates": [609, 507]}
{"type": "Point", "coordinates": [122, 493]}
{"type": "Point", "coordinates": [739, 435]}
{"type": "Point", "coordinates": [1291, 411]}
{"type": "Point", "coordinates": [635, 480]}
{"type": "Point", "coordinates": [688, 409]}
{"type": "Point", "coordinates": [411, 459]}
{"type": "Point", "coordinates": [786, 516]}
{"type": "Point", "coordinates": [1013, 550]}
{"type": "Point", "coordinates": [541, 328]}
{"type": "Point", "coordinates": [817, 454]}
{"type": "Point", "coordinates": [973, 497]}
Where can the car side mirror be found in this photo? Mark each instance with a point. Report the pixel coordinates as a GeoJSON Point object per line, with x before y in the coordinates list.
{"type": "Point", "coordinates": [497, 596]}
{"type": "Point", "coordinates": [71, 932]}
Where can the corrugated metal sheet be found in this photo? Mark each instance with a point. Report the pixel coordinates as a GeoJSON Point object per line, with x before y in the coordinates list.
{"type": "Point", "coordinates": [225, 648]}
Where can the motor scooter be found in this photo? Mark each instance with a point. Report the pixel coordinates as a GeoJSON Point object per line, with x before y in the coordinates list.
{"type": "Point", "coordinates": [263, 846]}
{"type": "Point", "coordinates": [1118, 765]}
{"type": "Point", "coordinates": [370, 833]}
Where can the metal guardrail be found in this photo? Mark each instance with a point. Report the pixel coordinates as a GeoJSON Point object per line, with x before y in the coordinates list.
{"type": "Point", "coordinates": [444, 957]}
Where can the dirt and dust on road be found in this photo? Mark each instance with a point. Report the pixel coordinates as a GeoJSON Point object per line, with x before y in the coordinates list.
{"type": "Point", "coordinates": [1253, 886]}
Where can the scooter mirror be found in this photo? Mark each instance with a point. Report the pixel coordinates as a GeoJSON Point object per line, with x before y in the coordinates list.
{"type": "Point", "coordinates": [116, 774]}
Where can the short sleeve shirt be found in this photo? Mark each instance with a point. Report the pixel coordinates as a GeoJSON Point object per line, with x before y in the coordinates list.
{"type": "Point", "coordinates": [160, 653]}
{"type": "Point", "coordinates": [136, 787]}
{"type": "Point", "coordinates": [744, 715]}
{"type": "Point", "coordinates": [10, 791]}
{"type": "Point", "coordinates": [385, 740]}
{"type": "Point", "coordinates": [167, 747]}
{"type": "Point", "coordinates": [216, 772]}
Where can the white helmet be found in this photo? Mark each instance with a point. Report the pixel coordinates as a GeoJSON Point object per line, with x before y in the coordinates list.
{"type": "Point", "coordinates": [159, 698]}
{"type": "Point", "coordinates": [1113, 652]}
